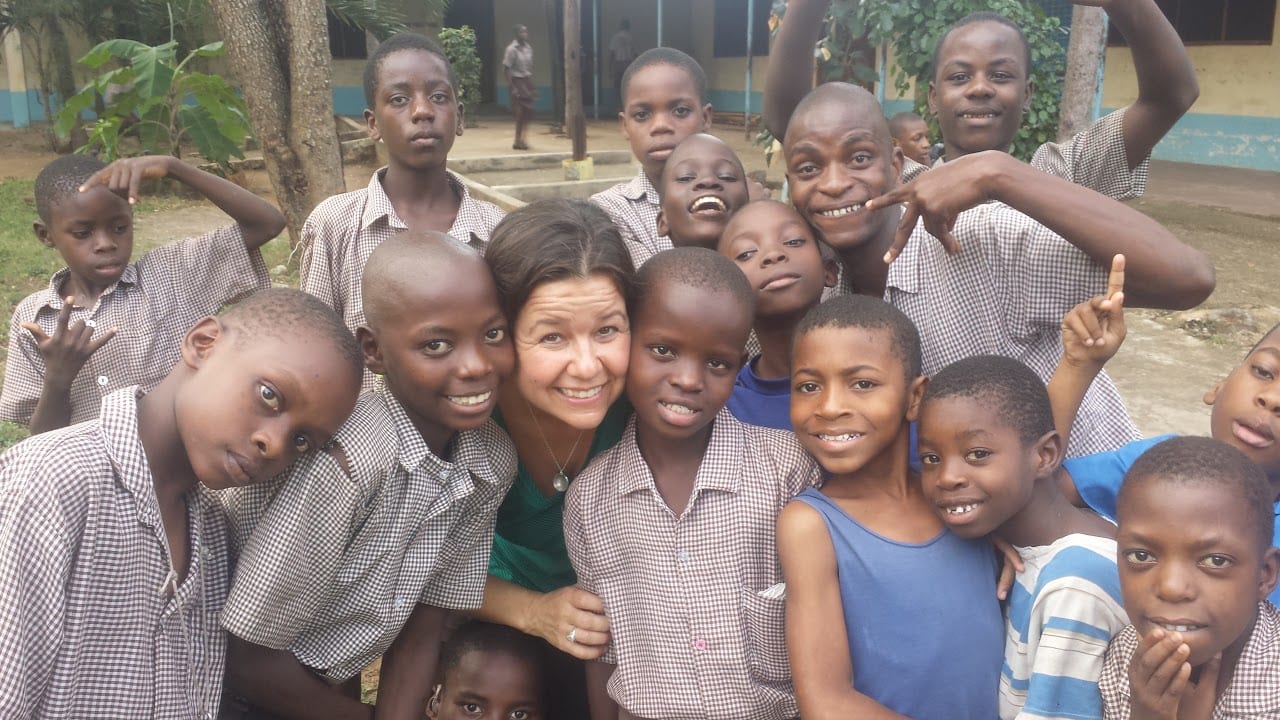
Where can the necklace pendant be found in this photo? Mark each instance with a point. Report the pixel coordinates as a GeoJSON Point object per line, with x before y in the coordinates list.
{"type": "Point", "coordinates": [560, 482]}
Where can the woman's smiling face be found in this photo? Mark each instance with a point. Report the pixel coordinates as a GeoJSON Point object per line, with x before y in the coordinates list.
{"type": "Point", "coordinates": [572, 345]}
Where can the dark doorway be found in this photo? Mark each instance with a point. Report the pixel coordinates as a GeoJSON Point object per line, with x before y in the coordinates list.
{"type": "Point", "coordinates": [478, 14]}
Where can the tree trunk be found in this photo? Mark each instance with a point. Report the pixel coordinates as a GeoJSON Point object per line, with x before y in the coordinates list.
{"type": "Point", "coordinates": [1084, 61]}
{"type": "Point", "coordinates": [575, 119]}
{"type": "Point", "coordinates": [279, 51]}
{"type": "Point", "coordinates": [555, 24]}
{"type": "Point", "coordinates": [64, 84]}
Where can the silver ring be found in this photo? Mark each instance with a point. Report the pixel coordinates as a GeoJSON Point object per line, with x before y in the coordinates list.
{"type": "Point", "coordinates": [572, 636]}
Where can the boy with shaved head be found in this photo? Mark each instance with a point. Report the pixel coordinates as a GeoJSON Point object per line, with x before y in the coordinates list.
{"type": "Point", "coordinates": [978, 277]}
{"type": "Point", "coordinates": [360, 551]}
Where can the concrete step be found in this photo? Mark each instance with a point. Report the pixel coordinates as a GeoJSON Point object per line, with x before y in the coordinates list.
{"type": "Point", "coordinates": [525, 161]}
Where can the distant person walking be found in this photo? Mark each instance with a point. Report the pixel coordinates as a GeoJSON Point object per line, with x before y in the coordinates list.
{"type": "Point", "coordinates": [621, 53]}
{"type": "Point", "coordinates": [517, 65]}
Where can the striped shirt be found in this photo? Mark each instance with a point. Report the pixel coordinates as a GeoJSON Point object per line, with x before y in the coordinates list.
{"type": "Point", "coordinates": [1095, 157]}
{"type": "Point", "coordinates": [154, 303]}
{"type": "Point", "coordinates": [1005, 293]}
{"type": "Point", "coordinates": [1254, 692]}
{"type": "Point", "coordinates": [694, 604]}
{"type": "Point", "coordinates": [633, 206]}
{"type": "Point", "coordinates": [341, 233]}
{"type": "Point", "coordinates": [336, 555]}
{"type": "Point", "coordinates": [1063, 610]}
{"type": "Point", "coordinates": [91, 624]}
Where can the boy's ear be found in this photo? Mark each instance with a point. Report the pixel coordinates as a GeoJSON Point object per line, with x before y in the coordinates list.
{"type": "Point", "coordinates": [1211, 397]}
{"type": "Point", "coordinates": [42, 233]}
{"type": "Point", "coordinates": [199, 341]}
{"type": "Point", "coordinates": [1269, 572]}
{"type": "Point", "coordinates": [371, 122]}
{"type": "Point", "coordinates": [1031, 91]}
{"type": "Point", "coordinates": [915, 393]}
{"type": "Point", "coordinates": [708, 117]}
{"type": "Point", "coordinates": [933, 99]}
{"type": "Point", "coordinates": [663, 228]}
{"type": "Point", "coordinates": [830, 272]}
{"type": "Point", "coordinates": [1049, 451]}
{"type": "Point", "coordinates": [433, 705]}
{"type": "Point", "coordinates": [896, 163]}
{"type": "Point", "coordinates": [462, 118]}
{"type": "Point", "coordinates": [371, 349]}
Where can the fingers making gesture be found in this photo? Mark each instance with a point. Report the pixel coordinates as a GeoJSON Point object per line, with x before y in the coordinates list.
{"type": "Point", "coordinates": [70, 345]}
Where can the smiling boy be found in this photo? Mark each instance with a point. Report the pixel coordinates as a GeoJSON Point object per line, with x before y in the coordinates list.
{"type": "Point", "coordinates": [703, 185]}
{"type": "Point", "coordinates": [361, 550]}
{"type": "Point", "coordinates": [1196, 566]}
{"type": "Point", "coordinates": [113, 551]}
{"type": "Point", "coordinates": [105, 323]}
{"type": "Point", "coordinates": [673, 527]}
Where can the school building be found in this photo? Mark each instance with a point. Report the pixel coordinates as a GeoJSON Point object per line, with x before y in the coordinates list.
{"type": "Point", "coordinates": [1233, 44]}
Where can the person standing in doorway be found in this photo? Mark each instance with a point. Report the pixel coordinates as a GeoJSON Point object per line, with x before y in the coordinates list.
{"type": "Point", "coordinates": [517, 64]}
{"type": "Point", "coordinates": [621, 53]}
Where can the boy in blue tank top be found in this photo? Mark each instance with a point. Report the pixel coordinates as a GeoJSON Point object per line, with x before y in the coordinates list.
{"type": "Point", "coordinates": [888, 614]}
{"type": "Point", "coordinates": [990, 460]}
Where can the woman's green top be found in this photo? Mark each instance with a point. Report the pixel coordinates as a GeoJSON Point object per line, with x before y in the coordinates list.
{"type": "Point", "coordinates": [528, 540]}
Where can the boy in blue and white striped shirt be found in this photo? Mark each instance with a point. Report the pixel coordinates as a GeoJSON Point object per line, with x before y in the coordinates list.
{"type": "Point", "coordinates": [990, 463]}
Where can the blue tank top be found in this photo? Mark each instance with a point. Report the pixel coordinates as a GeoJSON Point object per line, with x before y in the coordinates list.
{"type": "Point", "coordinates": [926, 633]}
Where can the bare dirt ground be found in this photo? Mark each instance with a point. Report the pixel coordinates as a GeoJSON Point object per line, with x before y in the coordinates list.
{"type": "Point", "coordinates": [1169, 360]}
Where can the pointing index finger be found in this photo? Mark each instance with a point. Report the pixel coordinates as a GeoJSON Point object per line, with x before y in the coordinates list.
{"type": "Point", "coordinates": [1115, 280]}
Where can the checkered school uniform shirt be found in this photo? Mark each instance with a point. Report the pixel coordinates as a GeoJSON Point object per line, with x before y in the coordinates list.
{"type": "Point", "coordinates": [335, 559]}
{"type": "Point", "coordinates": [693, 634]}
{"type": "Point", "coordinates": [155, 301]}
{"type": "Point", "coordinates": [341, 233]}
{"type": "Point", "coordinates": [1094, 158]}
{"type": "Point", "coordinates": [91, 625]}
{"type": "Point", "coordinates": [633, 206]}
{"type": "Point", "coordinates": [1254, 692]}
{"type": "Point", "coordinates": [1005, 294]}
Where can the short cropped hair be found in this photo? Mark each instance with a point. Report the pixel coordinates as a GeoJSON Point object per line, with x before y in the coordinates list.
{"type": "Point", "coordinates": [983, 16]}
{"type": "Point", "coordinates": [897, 122]}
{"type": "Point", "coordinates": [559, 239]}
{"type": "Point", "coordinates": [476, 636]}
{"type": "Point", "coordinates": [668, 56]}
{"type": "Point", "coordinates": [1009, 391]}
{"type": "Point", "coordinates": [868, 313]}
{"type": "Point", "coordinates": [285, 312]}
{"type": "Point", "coordinates": [60, 178]}
{"type": "Point", "coordinates": [396, 43]}
{"type": "Point", "coordinates": [1208, 462]}
{"type": "Point", "coordinates": [1274, 329]}
{"type": "Point", "coordinates": [406, 260]}
{"type": "Point", "coordinates": [695, 267]}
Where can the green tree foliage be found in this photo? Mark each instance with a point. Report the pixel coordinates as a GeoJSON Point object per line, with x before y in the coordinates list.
{"type": "Point", "coordinates": [150, 95]}
{"type": "Point", "coordinates": [459, 45]}
{"type": "Point", "coordinates": [912, 28]}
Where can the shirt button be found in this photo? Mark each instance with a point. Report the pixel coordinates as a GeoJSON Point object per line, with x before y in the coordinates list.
{"type": "Point", "coordinates": [102, 380]}
{"type": "Point", "coordinates": [700, 645]}
{"type": "Point", "coordinates": [682, 557]}
{"type": "Point", "coordinates": [443, 474]}
{"type": "Point", "coordinates": [400, 601]}
{"type": "Point", "coordinates": [91, 323]}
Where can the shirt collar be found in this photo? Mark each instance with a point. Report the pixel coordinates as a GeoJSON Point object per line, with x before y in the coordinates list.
{"type": "Point", "coordinates": [727, 441]}
{"type": "Point", "coordinates": [55, 299]}
{"type": "Point", "coordinates": [905, 270]}
{"type": "Point", "coordinates": [1254, 691]}
{"type": "Point", "coordinates": [378, 206]}
{"type": "Point", "coordinates": [118, 419]}
{"type": "Point", "coordinates": [466, 448]}
{"type": "Point", "coordinates": [640, 188]}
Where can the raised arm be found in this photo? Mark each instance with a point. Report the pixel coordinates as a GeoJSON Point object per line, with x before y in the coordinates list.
{"type": "Point", "coordinates": [817, 643]}
{"type": "Point", "coordinates": [1167, 84]}
{"type": "Point", "coordinates": [1162, 271]}
{"type": "Point", "coordinates": [259, 221]}
{"type": "Point", "coordinates": [1091, 334]}
{"type": "Point", "coordinates": [275, 681]}
{"type": "Point", "coordinates": [790, 73]}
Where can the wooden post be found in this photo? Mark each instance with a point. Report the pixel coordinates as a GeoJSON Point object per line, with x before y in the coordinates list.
{"type": "Point", "coordinates": [574, 118]}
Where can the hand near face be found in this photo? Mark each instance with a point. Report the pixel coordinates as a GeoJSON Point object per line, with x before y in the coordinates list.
{"type": "Point", "coordinates": [124, 177]}
{"type": "Point", "coordinates": [1093, 331]}
{"type": "Point", "coordinates": [939, 196]}
{"type": "Point", "coordinates": [555, 614]}
{"type": "Point", "coordinates": [70, 346]}
{"type": "Point", "coordinates": [1159, 676]}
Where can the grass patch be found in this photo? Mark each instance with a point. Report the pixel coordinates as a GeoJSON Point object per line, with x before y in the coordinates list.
{"type": "Point", "coordinates": [11, 433]}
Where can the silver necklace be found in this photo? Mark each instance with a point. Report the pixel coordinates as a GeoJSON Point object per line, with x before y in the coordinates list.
{"type": "Point", "coordinates": [561, 480]}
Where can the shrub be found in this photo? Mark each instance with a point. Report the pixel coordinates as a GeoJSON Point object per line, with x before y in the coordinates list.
{"type": "Point", "coordinates": [459, 45]}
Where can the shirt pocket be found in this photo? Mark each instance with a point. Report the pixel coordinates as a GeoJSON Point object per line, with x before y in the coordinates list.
{"type": "Point", "coordinates": [764, 627]}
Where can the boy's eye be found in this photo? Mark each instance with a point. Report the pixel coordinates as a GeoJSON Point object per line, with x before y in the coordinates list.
{"type": "Point", "coordinates": [640, 115]}
{"type": "Point", "coordinates": [439, 97]}
{"type": "Point", "coordinates": [682, 111]}
{"type": "Point", "coordinates": [794, 242]}
{"type": "Point", "coordinates": [717, 364]}
{"type": "Point", "coordinates": [472, 708]}
{"type": "Point", "coordinates": [1263, 372]}
{"type": "Point", "coordinates": [121, 228]}
{"type": "Point", "coordinates": [729, 177]}
{"type": "Point", "coordinates": [437, 347]}
{"type": "Point", "coordinates": [1139, 557]}
{"type": "Point", "coordinates": [930, 459]}
{"type": "Point", "coordinates": [745, 255]}
{"type": "Point", "coordinates": [861, 158]}
{"type": "Point", "coordinates": [496, 335]}
{"type": "Point", "coordinates": [686, 177]}
{"type": "Point", "coordinates": [80, 234]}
{"type": "Point", "coordinates": [863, 384]}
{"type": "Point", "coordinates": [958, 77]}
{"type": "Point", "coordinates": [397, 100]}
{"type": "Point", "coordinates": [977, 454]}
{"type": "Point", "coordinates": [519, 715]}
{"type": "Point", "coordinates": [1001, 76]}
{"type": "Point", "coordinates": [663, 351]}
{"type": "Point", "coordinates": [1216, 561]}
{"type": "Point", "coordinates": [269, 396]}
{"type": "Point", "coordinates": [806, 387]}
{"type": "Point", "coordinates": [301, 443]}
{"type": "Point", "coordinates": [806, 169]}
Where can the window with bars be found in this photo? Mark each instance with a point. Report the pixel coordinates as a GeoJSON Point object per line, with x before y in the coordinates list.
{"type": "Point", "coordinates": [1216, 22]}
{"type": "Point", "coordinates": [346, 42]}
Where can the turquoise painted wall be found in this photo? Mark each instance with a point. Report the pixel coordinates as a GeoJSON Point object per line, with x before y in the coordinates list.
{"type": "Point", "coordinates": [20, 108]}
